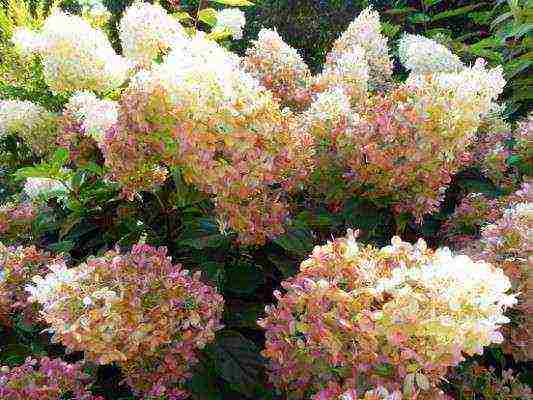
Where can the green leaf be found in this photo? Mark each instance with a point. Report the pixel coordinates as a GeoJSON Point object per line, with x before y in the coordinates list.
{"type": "Point", "coordinates": [234, 3]}
{"type": "Point", "coordinates": [456, 12]}
{"type": "Point", "coordinates": [208, 16]}
{"type": "Point", "coordinates": [60, 157]}
{"type": "Point", "coordinates": [243, 278]}
{"type": "Point", "coordinates": [202, 233]}
{"type": "Point", "coordinates": [243, 315]}
{"type": "Point", "coordinates": [430, 3]}
{"type": "Point", "coordinates": [400, 10]}
{"type": "Point", "coordinates": [182, 16]}
{"type": "Point", "coordinates": [238, 361]}
{"type": "Point", "coordinates": [296, 241]}
{"type": "Point", "coordinates": [419, 18]}
{"type": "Point", "coordinates": [64, 246]}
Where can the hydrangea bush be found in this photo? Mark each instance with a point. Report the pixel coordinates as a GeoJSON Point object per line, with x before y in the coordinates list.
{"type": "Point", "coordinates": [45, 379]}
{"type": "Point", "coordinates": [133, 144]}
{"type": "Point", "coordinates": [136, 309]}
{"type": "Point", "coordinates": [395, 317]}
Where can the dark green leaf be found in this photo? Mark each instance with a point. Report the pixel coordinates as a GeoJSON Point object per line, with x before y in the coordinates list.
{"type": "Point", "coordinates": [238, 361]}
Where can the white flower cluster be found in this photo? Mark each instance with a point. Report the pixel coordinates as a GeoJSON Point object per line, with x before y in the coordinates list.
{"type": "Point", "coordinates": [203, 77]}
{"type": "Point", "coordinates": [365, 31]}
{"type": "Point", "coordinates": [348, 70]}
{"type": "Point", "coordinates": [279, 67]}
{"type": "Point", "coordinates": [39, 187]}
{"type": "Point", "coordinates": [328, 109]}
{"type": "Point", "coordinates": [19, 116]}
{"type": "Point", "coordinates": [421, 55]}
{"type": "Point", "coordinates": [146, 30]}
{"type": "Point", "coordinates": [75, 56]}
{"type": "Point", "coordinates": [467, 95]}
{"type": "Point", "coordinates": [96, 116]}
{"type": "Point", "coordinates": [443, 293]}
{"type": "Point", "coordinates": [232, 20]}
{"type": "Point", "coordinates": [29, 121]}
{"type": "Point", "coordinates": [45, 289]}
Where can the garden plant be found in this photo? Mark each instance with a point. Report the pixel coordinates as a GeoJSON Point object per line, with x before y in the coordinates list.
{"type": "Point", "coordinates": [193, 210]}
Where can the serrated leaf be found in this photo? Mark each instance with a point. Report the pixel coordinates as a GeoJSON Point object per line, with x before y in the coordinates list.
{"type": "Point", "coordinates": [238, 361]}
{"type": "Point", "coordinates": [208, 16]}
{"type": "Point", "coordinates": [234, 3]}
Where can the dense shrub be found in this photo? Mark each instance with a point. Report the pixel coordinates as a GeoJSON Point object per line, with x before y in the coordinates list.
{"type": "Point", "coordinates": [149, 136]}
{"type": "Point", "coordinates": [381, 316]}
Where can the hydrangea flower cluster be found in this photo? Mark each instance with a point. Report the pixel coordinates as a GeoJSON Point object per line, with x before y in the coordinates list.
{"type": "Point", "coordinates": [45, 379]}
{"type": "Point", "coordinates": [32, 123]}
{"type": "Point", "coordinates": [36, 188]}
{"type": "Point", "coordinates": [279, 68]}
{"type": "Point", "coordinates": [136, 309]}
{"type": "Point", "coordinates": [406, 144]}
{"type": "Point", "coordinates": [365, 32]}
{"type": "Point", "coordinates": [464, 225]}
{"type": "Point", "coordinates": [421, 55]}
{"type": "Point", "coordinates": [395, 317]}
{"type": "Point", "coordinates": [491, 149]}
{"type": "Point", "coordinates": [74, 55]}
{"type": "Point", "coordinates": [508, 243]}
{"type": "Point", "coordinates": [94, 115]}
{"type": "Point", "coordinates": [524, 137]}
{"type": "Point", "coordinates": [16, 220]}
{"type": "Point", "coordinates": [201, 113]}
{"type": "Point", "coordinates": [231, 20]}
{"type": "Point", "coordinates": [146, 30]}
{"type": "Point", "coordinates": [348, 70]}
{"type": "Point", "coordinates": [17, 266]}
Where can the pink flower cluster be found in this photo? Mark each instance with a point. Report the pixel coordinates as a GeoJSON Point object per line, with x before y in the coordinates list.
{"type": "Point", "coordinates": [220, 129]}
{"type": "Point", "coordinates": [357, 317]}
{"type": "Point", "coordinates": [17, 267]}
{"type": "Point", "coordinates": [16, 220]}
{"type": "Point", "coordinates": [464, 225]}
{"type": "Point", "coordinates": [45, 379]}
{"type": "Point", "coordinates": [494, 145]}
{"type": "Point", "coordinates": [279, 67]}
{"type": "Point", "coordinates": [508, 243]}
{"type": "Point", "coordinates": [136, 309]}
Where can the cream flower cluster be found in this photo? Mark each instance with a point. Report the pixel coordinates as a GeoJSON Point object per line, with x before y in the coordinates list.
{"type": "Point", "coordinates": [455, 285]}
{"type": "Point", "coordinates": [39, 187]}
{"type": "Point", "coordinates": [95, 116]}
{"type": "Point", "coordinates": [232, 20]}
{"type": "Point", "coordinates": [349, 70]}
{"type": "Point", "coordinates": [421, 55]}
{"type": "Point", "coordinates": [365, 31]}
{"type": "Point", "coordinates": [75, 56]}
{"type": "Point", "coordinates": [31, 122]}
{"type": "Point", "coordinates": [278, 67]}
{"type": "Point", "coordinates": [146, 30]}
{"type": "Point", "coordinates": [404, 309]}
{"type": "Point", "coordinates": [468, 95]}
